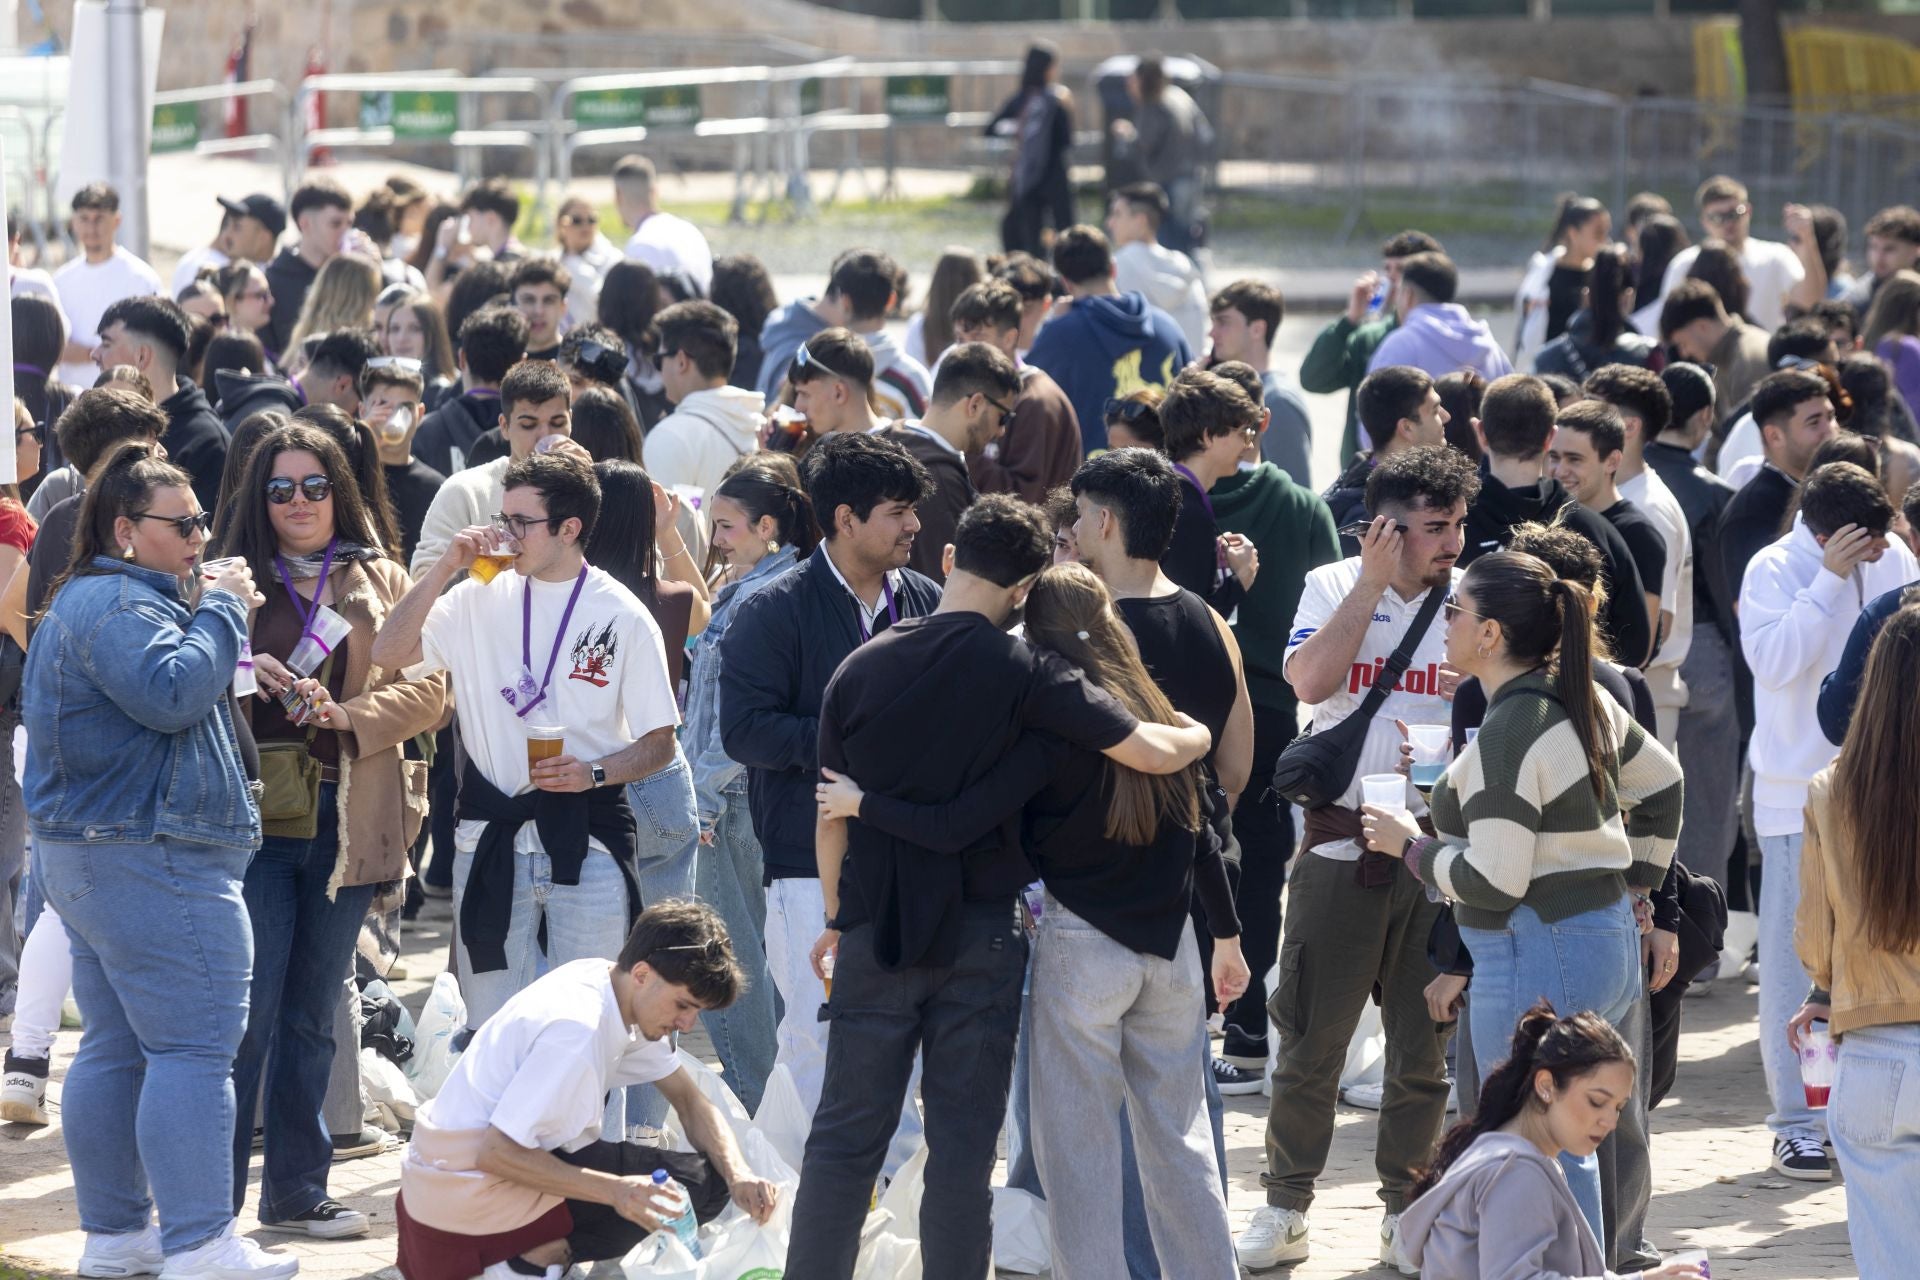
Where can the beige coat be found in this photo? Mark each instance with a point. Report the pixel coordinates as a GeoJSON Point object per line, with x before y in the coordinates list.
{"type": "Point", "coordinates": [382, 795]}
{"type": "Point", "coordinates": [1867, 987]}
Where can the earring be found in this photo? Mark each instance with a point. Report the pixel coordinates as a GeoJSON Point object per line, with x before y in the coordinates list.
{"type": "Point", "coordinates": [1483, 651]}
{"type": "Point", "coordinates": [1544, 1098]}
{"type": "Point", "coordinates": [772, 546]}
{"type": "Point", "coordinates": [128, 553]}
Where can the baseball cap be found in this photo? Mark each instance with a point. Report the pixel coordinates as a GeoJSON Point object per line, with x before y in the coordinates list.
{"type": "Point", "coordinates": [264, 209]}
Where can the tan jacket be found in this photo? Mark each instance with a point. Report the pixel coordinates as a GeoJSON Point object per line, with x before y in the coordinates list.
{"type": "Point", "coordinates": [1867, 987]}
{"type": "Point", "coordinates": [382, 795]}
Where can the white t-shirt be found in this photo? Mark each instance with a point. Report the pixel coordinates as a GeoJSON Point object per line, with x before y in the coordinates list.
{"type": "Point", "coordinates": [87, 290]}
{"type": "Point", "coordinates": [609, 686]}
{"type": "Point", "coordinates": [191, 263]}
{"type": "Point", "coordinates": [1772, 270]}
{"type": "Point", "coordinates": [1416, 701]}
{"type": "Point", "coordinates": [667, 242]}
{"type": "Point", "coordinates": [539, 1070]}
{"type": "Point", "coordinates": [1650, 493]}
{"type": "Point", "coordinates": [1743, 444]}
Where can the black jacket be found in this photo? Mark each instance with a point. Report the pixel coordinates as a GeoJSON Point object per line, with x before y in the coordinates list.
{"type": "Point", "coordinates": [1347, 499]}
{"type": "Point", "coordinates": [1574, 355]}
{"type": "Point", "coordinates": [1703, 496]}
{"type": "Point", "coordinates": [242, 395]}
{"type": "Point", "coordinates": [1490, 522]}
{"type": "Point", "coordinates": [456, 425]}
{"type": "Point", "coordinates": [289, 276]}
{"type": "Point", "coordinates": [196, 441]}
{"type": "Point", "coordinates": [1841, 687]}
{"type": "Point", "coordinates": [782, 647]}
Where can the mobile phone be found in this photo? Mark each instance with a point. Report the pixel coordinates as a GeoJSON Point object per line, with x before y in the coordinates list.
{"type": "Point", "coordinates": [1358, 529]}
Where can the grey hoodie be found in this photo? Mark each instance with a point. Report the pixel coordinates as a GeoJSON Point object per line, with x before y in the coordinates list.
{"type": "Point", "coordinates": [1441, 337]}
{"type": "Point", "coordinates": [1170, 281]}
{"type": "Point", "coordinates": [1502, 1212]}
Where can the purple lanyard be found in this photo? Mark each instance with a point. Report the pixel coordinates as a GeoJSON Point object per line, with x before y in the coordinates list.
{"type": "Point", "coordinates": [20, 366]}
{"type": "Point", "coordinates": [1219, 552]}
{"type": "Point", "coordinates": [308, 610]}
{"type": "Point", "coordinates": [559, 637]}
{"type": "Point", "coordinates": [860, 610]}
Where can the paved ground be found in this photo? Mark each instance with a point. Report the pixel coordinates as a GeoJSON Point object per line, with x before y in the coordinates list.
{"type": "Point", "coordinates": [1713, 1189]}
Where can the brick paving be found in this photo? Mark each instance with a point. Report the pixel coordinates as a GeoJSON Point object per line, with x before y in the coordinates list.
{"type": "Point", "coordinates": [1713, 1188]}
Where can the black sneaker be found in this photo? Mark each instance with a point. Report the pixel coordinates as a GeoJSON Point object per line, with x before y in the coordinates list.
{"type": "Point", "coordinates": [367, 1142]}
{"type": "Point", "coordinates": [1802, 1158]}
{"type": "Point", "coordinates": [23, 1090]}
{"type": "Point", "coordinates": [1243, 1050]}
{"type": "Point", "coordinates": [1233, 1081]}
{"type": "Point", "coordinates": [328, 1220]}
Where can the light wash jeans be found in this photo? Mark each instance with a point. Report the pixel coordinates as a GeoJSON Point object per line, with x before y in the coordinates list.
{"type": "Point", "coordinates": [1111, 1026]}
{"type": "Point", "coordinates": [1589, 961]}
{"type": "Point", "coordinates": [1783, 985]}
{"type": "Point", "coordinates": [729, 880]}
{"type": "Point", "coordinates": [669, 840]}
{"type": "Point", "coordinates": [1874, 1115]}
{"type": "Point", "coordinates": [162, 959]}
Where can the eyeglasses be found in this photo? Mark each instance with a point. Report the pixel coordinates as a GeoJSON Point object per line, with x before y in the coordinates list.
{"type": "Point", "coordinates": [1453, 609]}
{"type": "Point", "coordinates": [218, 320]}
{"type": "Point", "coordinates": [1005, 412]}
{"type": "Point", "coordinates": [579, 220]}
{"type": "Point", "coordinates": [1721, 217]}
{"type": "Point", "coordinates": [517, 526]}
{"type": "Point", "coordinates": [36, 433]}
{"type": "Point", "coordinates": [182, 525]}
{"type": "Point", "coordinates": [280, 489]}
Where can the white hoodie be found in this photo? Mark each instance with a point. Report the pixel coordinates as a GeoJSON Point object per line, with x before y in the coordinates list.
{"type": "Point", "coordinates": [1795, 618]}
{"type": "Point", "coordinates": [1170, 282]}
{"type": "Point", "coordinates": [705, 433]}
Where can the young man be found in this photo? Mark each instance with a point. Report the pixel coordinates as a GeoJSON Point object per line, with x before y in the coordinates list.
{"type": "Point", "coordinates": [1798, 603]}
{"type": "Point", "coordinates": [1342, 352]}
{"type": "Point", "coordinates": [546, 846]}
{"type": "Point", "coordinates": [832, 378]}
{"type": "Point", "coordinates": [1801, 343]}
{"type": "Point", "coordinates": [1795, 413]}
{"type": "Point", "coordinates": [1772, 268]}
{"type": "Point", "coordinates": [1515, 428]}
{"type": "Point", "coordinates": [535, 402]}
{"type": "Point", "coordinates": [249, 229]}
{"type": "Point", "coordinates": [1399, 410]}
{"type": "Point", "coordinates": [1893, 244]}
{"type": "Point", "coordinates": [1354, 921]}
{"type": "Point", "coordinates": [102, 274]}
{"type": "Point", "coordinates": [332, 376]}
{"type": "Point", "coordinates": [1246, 316]}
{"type": "Point", "coordinates": [860, 292]}
{"type": "Point", "coordinates": [780, 650]}
{"type": "Point", "coordinates": [538, 287]}
{"type": "Point", "coordinates": [1037, 284]}
{"type": "Point", "coordinates": [322, 214]}
{"type": "Point", "coordinates": [665, 242]}
{"type": "Point", "coordinates": [1108, 343]}
{"type": "Point", "coordinates": [508, 1173]}
{"type": "Point", "coordinates": [1588, 437]}
{"type": "Point", "coordinates": [390, 390]}
{"type": "Point", "coordinates": [713, 425]}
{"type": "Point", "coordinates": [150, 334]}
{"type": "Point", "coordinates": [1141, 264]}
{"type": "Point", "coordinates": [491, 341]}
{"type": "Point", "coordinates": [929, 955]}
{"type": "Point", "coordinates": [973, 397]}
{"type": "Point", "coordinates": [1040, 447]}
{"type": "Point", "coordinates": [1208, 422]}
{"type": "Point", "coordinates": [1695, 323]}
{"type": "Point", "coordinates": [1435, 333]}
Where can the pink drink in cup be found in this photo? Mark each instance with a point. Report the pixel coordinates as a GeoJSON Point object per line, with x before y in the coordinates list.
{"type": "Point", "coordinates": [1818, 1061]}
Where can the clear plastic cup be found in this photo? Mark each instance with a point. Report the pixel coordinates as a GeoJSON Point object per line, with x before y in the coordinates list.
{"type": "Point", "coordinates": [1698, 1257]}
{"type": "Point", "coordinates": [544, 741]}
{"type": "Point", "coordinates": [1819, 1059]}
{"type": "Point", "coordinates": [1384, 790]}
{"type": "Point", "coordinates": [1429, 743]}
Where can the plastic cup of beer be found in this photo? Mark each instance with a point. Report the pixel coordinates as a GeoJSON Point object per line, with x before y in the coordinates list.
{"type": "Point", "coordinates": [1819, 1059]}
{"type": "Point", "coordinates": [1384, 790]}
{"type": "Point", "coordinates": [826, 968]}
{"type": "Point", "coordinates": [1429, 742]}
{"type": "Point", "coordinates": [488, 565]}
{"type": "Point", "coordinates": [544, 742]}
{"type": "Point", "coordinates": [1698, 1257]}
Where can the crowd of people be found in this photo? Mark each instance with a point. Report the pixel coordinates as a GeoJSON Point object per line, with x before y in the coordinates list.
{"type": "Point", "coordinates": [922, 716]}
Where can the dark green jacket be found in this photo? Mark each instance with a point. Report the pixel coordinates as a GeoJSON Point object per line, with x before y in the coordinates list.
{"type": "Point", "coordinates": [1293, 531]}
{"type": "Point", "coordinates": [1337, 361]}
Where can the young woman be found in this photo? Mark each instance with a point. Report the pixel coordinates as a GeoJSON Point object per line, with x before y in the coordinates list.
{"type": "Point", "coordinates": [1599, 333]}
{"type": "Point", "coordinates": [39, 333]}
{"type": "Point", "coordinates": [1542, 883]}
{"type": "Point", "coordinates": [762, 526]}
{"type": "Point", "coordinates": [149, 1102]}
{"type": "Point", "coordinates": [1893, 333]}
{"type": "Point", "coordinates": [1460, 395]}
{"type": "Point", "coordinates": [16, 540]}
{"type": "Point", "coordinates": [1662, 237]}
{"type": "Point", "coordinates": [1039, 119]}
{"type": "Point", "coordinates": [930, 332]}
{"type": "Point", "coordinates": [1133, 420]}
{"type": "Point", "coordinates": [587, 255]}
{"type": "Point", "coordinates": [342, 297]}
{"type": "Point", "coordinates": [1494, 1202]}
{"type": "Point", "coordinates": [1858, 932]}
{"type": "Point", "coordinates": [346, 804]}
{"type": "Point", "coordinates": [416, 330]}
{"type": "Point", "coordinates": [1556, 276]}
{"type": "Point", "coordinates": [744, 290]}
{"type": "Point", "coordinates": [249, 298]}
{"type": "Point", "coordinates": [625, 542]}
{"type": "Point", "coordinates": [629, 300]}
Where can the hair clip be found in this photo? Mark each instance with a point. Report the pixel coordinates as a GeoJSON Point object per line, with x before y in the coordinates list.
{"type": "Point", "coordinates": [1081, 634]}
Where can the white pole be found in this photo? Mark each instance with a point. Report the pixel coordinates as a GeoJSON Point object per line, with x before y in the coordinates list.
{"type": "Point", "coordinates": [128, 125]}
{"type": "Point", "coordinates": [9, 464]}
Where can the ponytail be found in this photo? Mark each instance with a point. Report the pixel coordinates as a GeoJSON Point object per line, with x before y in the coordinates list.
{"type": "Point", "coordinates": [1573, 680]}
{"type": "Point", "coordinates": [122, 484]}
{"type": "Point", "coordinates": [1605, 285]}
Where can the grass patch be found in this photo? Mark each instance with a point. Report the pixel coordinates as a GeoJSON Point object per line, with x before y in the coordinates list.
{"type": "Point", "coordinates": [13, 1271]}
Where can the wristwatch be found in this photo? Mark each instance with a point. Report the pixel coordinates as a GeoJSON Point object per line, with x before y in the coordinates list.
{"type": "Point", "coordinates": [599, 775]}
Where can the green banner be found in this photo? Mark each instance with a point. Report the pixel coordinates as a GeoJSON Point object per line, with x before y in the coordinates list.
{"type": "Point", "coordinates": [424, 114]}
{"type": "Point", "coordinates": [667, 107]}
{"type": "Point", "coordinates": [176, 126]}
{"type": "Point", "coordinates": [919, 97]}
{"type": "Point", "coordinates": [810, 91]}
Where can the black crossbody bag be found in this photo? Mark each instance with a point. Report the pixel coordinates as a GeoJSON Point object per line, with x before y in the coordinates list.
{"type": "Point", "coordinates": [1316, 768]}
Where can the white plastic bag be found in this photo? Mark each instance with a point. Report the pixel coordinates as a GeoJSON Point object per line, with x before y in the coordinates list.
{"type": "Point", "coordinates": [715, 1090]}
{"type": "Point", "coordinates": [660, 1256]}
{"type": "Point", "coordinates": [903, 1197]}
{"type": "Point", "coordinates": [443, 1018]}
{"type": "Point", "coordinates": [388, 1089]}
{"type": "Point", "coordinates": [783, 1117]}
{"type": "Point", "coordinates": [747, 1252]}
{"type": "Point", "coordinates": [1022, 1234]}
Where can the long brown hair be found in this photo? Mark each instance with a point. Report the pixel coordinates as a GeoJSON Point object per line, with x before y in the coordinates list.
{"type": "Point", "coordinates": [1873, 785]}
{"type": "Point", "coordinates": [1547, 621]}
{"type": "Point", "coordinates": [1070, 612]}
{"type": "Point", "coordinates": [251, 534]}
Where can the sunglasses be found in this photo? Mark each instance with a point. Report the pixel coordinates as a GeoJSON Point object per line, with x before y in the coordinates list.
{"type": "Point", "coordinates": [517, 526]}
{"type": "Point", "coordinates": [280, 489]}
{"type": "Point", "coordinates": [579, 220]}
{"type": "Point", "coordinates": [37, 433]}
{"type": "Point", "coordinates": [1358, 529]}
{"type": "Point", "coordinates": [183, 525]}
{"type": "Point", "coordinates": [1453, 609]}
{"type": "Point", "coordinates": [405, 364]}
{"type": "Point", "coordinates": [1005, 412]}
{"type": "Point", "coordinates": [1125, 410]}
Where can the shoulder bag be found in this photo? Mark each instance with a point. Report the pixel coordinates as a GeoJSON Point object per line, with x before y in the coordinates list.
{"type": "Point", "coordinates": [290, 783]}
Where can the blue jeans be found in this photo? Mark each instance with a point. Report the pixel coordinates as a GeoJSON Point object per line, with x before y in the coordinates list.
{"type": "Point", "coordinates": [162, 956]}
{"type": "Point", "coordinates": [668, 824]}
{"type": "Point", "coordinates": [729, 881]}
{"type": "Point", "coordinates": [303, 947]}
{"type": "Point", "coordinates": [1783, 985]}
{"type": "Point", "coordinates": [1589, 961]}
{"type": "Point", "coordinates": [1874, 1116]}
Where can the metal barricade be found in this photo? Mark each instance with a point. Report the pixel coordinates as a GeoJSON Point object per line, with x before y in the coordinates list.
{"type": "Point", "coordinates": [426, 108]}
{"type": "Point", "coordinates": [177, 123]}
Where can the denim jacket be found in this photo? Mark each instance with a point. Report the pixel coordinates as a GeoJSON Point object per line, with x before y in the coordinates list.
{"type": "Point", "coordinates": [715, 776]}
{"type": "Point", "coordinates": [124, 699]}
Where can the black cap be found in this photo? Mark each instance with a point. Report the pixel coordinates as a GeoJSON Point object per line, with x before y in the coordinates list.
{"type": "Point", "coordinates": [264, 209]}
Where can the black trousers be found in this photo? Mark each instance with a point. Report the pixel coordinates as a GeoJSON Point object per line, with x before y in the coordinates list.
{"type": "Point", "coordinates": [600, 1233]}
{"type": "Point", "coordinates": [962, 1020]}
{"type": "Point", "coordinates": [1263, 824]}
{"type": "Point", "coordinates": [1027, 212]}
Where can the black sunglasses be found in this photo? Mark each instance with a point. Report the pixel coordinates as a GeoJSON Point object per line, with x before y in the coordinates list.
{"type": "Point", "coordinates": [1358, 529]}
{"type": "Point", "coordinates": [1125, 410]}
{"type": "Point", "coordinates": [37, 432]}
{"type": "Point", "coordinates": [280, 489]}
{"type": "Point", "coordinates": [1005, 412]}
{"type": "Point", "coordinates": [1453, 609]}
{"type": "Point", "coordinates": [183, 525]}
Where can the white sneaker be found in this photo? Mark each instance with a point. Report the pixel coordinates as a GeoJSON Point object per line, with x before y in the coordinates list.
{"type": "Point", "coordinates": [23, 1092]}
{"type": "Point", "coordinates": [1366, 1096]}
{"type": "Point", "coordinates": [1273, 1236]}
{"type": "Point", "coordinates": [229, 1257]}
{"type": "Point", "coordinates": [1390, 1255]}
{"type": "Point", "coordinates": [132, 1253]}
{"type": "Point", "coordinates": [502, 1271]}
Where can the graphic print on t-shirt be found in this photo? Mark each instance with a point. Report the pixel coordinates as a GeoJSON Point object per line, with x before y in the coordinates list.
{"type": "Point", "coordinates": [593, 653]}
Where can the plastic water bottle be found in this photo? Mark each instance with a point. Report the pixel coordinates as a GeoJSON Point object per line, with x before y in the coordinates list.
{"type": "Point", "coordinates": [683, 1223]}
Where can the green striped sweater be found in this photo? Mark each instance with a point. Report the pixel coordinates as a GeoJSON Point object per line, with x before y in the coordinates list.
{"type": "Point", "coordinates": [1519, 821]}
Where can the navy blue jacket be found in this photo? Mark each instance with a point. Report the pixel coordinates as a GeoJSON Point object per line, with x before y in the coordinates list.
{"type": "Point", "coordinates": [782, 647]}
{"type": "Point", "coordinates": [1104, 347]}
{"type": "Point", "coordinates": [1841, 688]}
